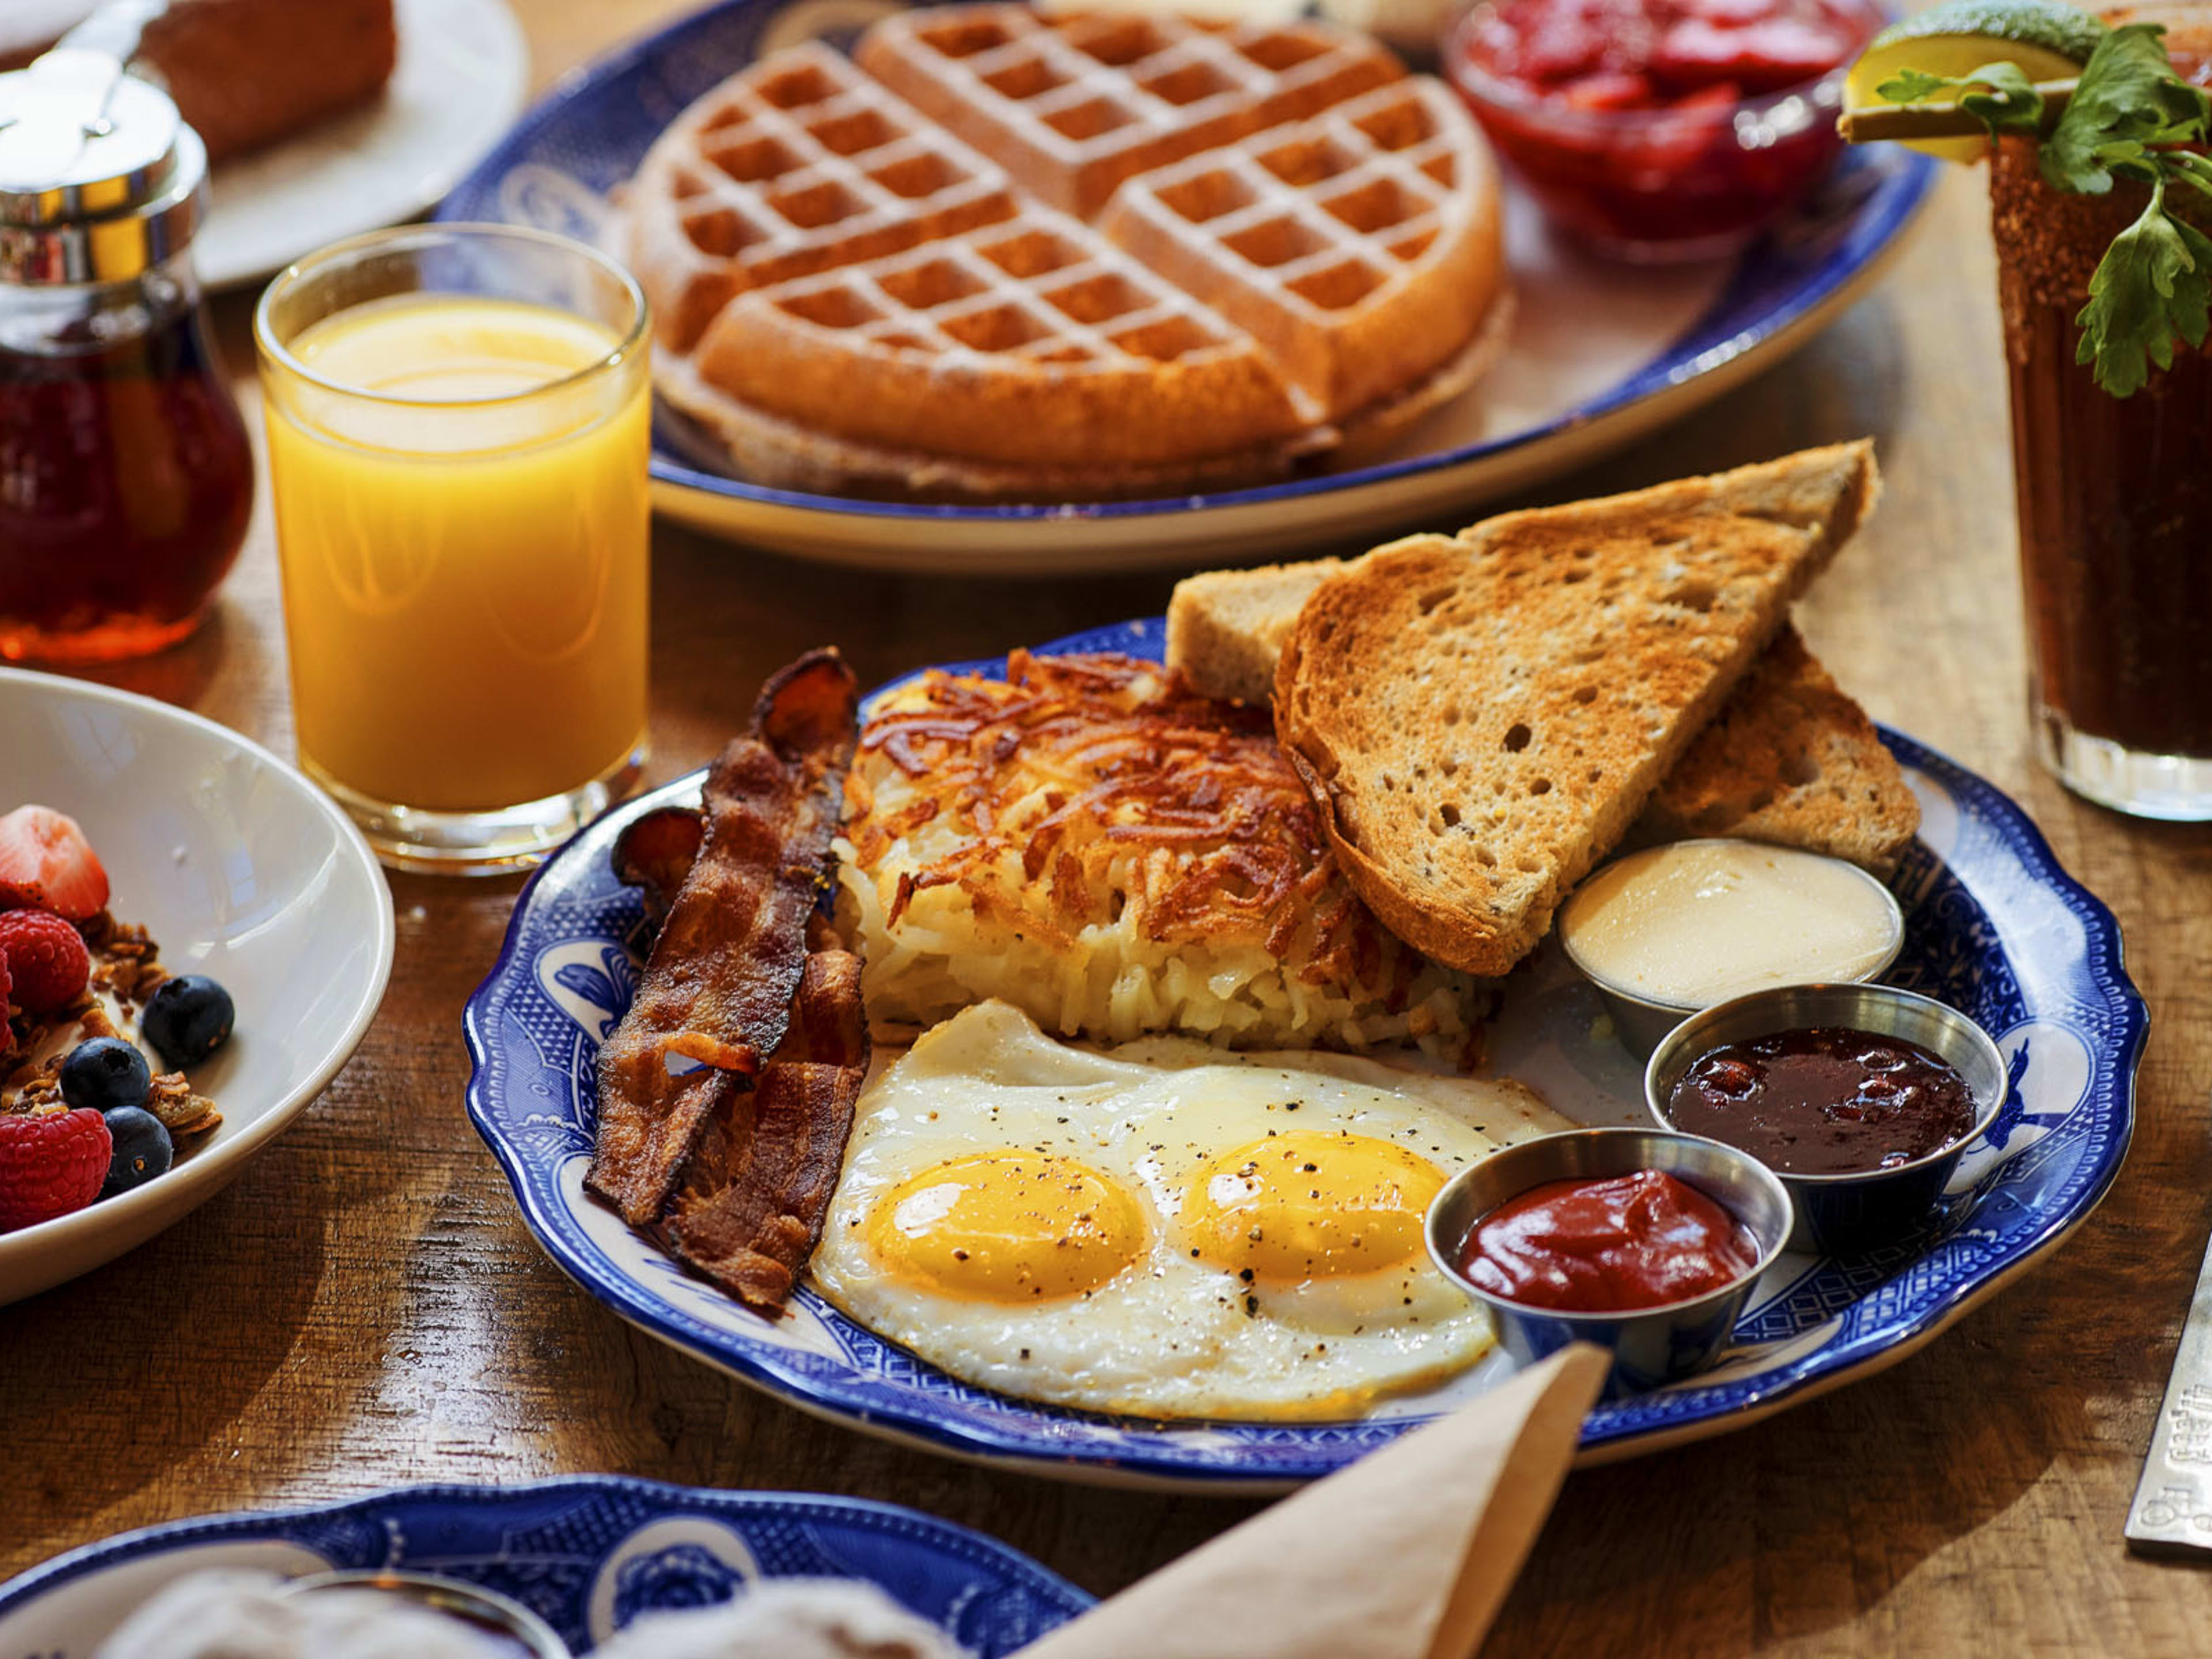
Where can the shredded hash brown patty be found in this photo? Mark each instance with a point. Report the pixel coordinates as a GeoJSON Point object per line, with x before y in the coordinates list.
{"type": "Point", "coordinates": [1116, 855]}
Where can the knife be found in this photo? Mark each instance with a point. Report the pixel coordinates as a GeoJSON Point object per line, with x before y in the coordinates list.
{"type": "Point", "coordinates": [2173, 1511]}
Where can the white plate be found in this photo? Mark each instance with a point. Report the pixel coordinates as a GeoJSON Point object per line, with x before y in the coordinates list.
{"type": "Point", "coordinates": [463, 68]}
{"type": "Point", "coordinates": [242, 869]}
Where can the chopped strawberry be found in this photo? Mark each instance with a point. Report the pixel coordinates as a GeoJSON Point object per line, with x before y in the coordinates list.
{"type": "Point", "coordinates": [1730, 14]}
{"type": "Point", "coordinates": [51, 1164]}
{"type": "Point", "coordinates": [7, 988]}
{"type": "Point", "coordinates": [1609, 91]}
{"type": "Point", "coordinates": [1694, 53]}
{"type": "Point", "coordinates": [47, 962]}
{"type": "Point", "coordinates": [46, 864]}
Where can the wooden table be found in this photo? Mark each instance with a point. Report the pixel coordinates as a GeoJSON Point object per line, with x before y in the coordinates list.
{"type": "Point", "coordinates": [364, 1307]}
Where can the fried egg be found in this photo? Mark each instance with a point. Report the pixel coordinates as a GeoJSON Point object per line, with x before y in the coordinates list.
{"type": "Point", "coordinates": [1161, 1230]}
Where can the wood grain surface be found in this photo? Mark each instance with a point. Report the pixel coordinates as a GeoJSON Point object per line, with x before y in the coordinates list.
{"type": "Point", "coordinates": [364, 1307]}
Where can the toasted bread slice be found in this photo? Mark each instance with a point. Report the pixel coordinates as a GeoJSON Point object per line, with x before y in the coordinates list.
{"type": "Point", "coordinates": [1226, 628]}
{"type": "Point", "coordinates": [1791, 760]}
{"type": "Point", "coordinates": [1481, 717]}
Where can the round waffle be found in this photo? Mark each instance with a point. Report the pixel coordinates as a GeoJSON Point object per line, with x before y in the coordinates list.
{"type": "Point", "coordinates": [1279, 240]}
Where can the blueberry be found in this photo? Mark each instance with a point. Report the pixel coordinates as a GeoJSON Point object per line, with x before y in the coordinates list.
{"type": "Point", "coordinates": [187, 1019]}
{"type": "Point", "coordinates": [105, 1073]}
{"type": "Point", "coordinates": [143, 1149]}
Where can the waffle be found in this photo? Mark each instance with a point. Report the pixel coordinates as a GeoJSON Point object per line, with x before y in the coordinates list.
{"type": "Point", "coordinates": [1350, 244]}
{"type": "Point", "coordinates": [1137, 373]}
{"type": "Point", "coordinates": [1074, 105]}
{"type": "Point", "coordinates": [799, 164]}
{"type": "Point", "coordinates": [1282, 245]}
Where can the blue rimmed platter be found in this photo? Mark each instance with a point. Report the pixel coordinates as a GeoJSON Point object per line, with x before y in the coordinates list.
{"type": "Point", "coordinates": [1599, 354]}
{"type": "Point", "coordinates": [1993, 926]}
{"type": "Point", "coordinates": [586, 1554]}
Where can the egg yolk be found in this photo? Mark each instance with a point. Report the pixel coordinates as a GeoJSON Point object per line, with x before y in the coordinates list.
{"type": "Point", "coordinates": [1310, 1205]}
{"type": "Point", "coordinates": [1006, 1226]}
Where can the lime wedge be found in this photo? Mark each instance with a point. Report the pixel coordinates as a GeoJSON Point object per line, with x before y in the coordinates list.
{"type": "Point", "coordinates": [2050, 41]}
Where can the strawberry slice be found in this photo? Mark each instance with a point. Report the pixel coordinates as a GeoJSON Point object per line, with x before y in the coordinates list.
{"type": "Point", "coordinates": [1694, 53]}
{"type": "Point", "coordinates": [46, 864]}
{"type": "Point", "coordinates": [1730, 14]}
{"type": "Point", "coordinates": [1609, 91]}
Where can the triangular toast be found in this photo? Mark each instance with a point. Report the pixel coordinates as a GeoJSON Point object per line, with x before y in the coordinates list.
{"type": "Point", "coordinates": [1481, 717]}
{"type": "Point", "coordinates": [1792, 760]}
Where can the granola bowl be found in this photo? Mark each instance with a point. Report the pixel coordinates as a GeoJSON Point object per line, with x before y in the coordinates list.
{"type": "Point", "coordinates": [237, 867]}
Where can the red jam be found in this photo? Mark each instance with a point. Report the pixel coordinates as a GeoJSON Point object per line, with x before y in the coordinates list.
{"type": "Point", "coordinates": [1636, 1241]}
{"type": "Point", "coordinates": [1826, 1100]}
{"type": "Point", "coordinates": [1660, 128]}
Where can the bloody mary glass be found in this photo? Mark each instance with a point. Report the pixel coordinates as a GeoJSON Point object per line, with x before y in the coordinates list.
{"type": "Point", "coordinates": [2115, 504]}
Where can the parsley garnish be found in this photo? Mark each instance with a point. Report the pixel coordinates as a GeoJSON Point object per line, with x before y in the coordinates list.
{"type": "Point", "coordinates": [2127, 118]}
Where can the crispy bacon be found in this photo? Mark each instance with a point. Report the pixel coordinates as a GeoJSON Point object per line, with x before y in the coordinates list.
{"type": "Point", "coordinates": [749, 1211]}
{"type": "Point", "coordinates": [719, 983]}
{"type": "Point", "coordinates": [654, 853]}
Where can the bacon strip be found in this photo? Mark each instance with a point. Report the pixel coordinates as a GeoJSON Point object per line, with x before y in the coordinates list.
{"type": "Point", "coordinates": [728, 961]}
{"type": "Point", "coordinates": [655, 852]}
{"type": "Point", "coordinates": [755, 1195]}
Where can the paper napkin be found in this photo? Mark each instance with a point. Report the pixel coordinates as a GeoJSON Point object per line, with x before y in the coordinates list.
{"type": "Point", "coordinates": [1407, 1555]}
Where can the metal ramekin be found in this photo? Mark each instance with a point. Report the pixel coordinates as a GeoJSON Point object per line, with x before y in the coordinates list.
{"type": "Point", "coordinates": [1642, 1021]}
{"type": "Point", "coordinates": [490, 1612]}
{"type": "Point", "coordinates": [1650, 1345]}
{"type": "Point", "coordinates": [1838, 1214]}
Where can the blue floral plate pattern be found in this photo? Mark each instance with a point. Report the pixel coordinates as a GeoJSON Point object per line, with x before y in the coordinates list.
{"type": "Point", "coordinates": [1600, 354]}
{"type": "Point", "coordinates": [587, 1554]}
{"type": "Point", "coordinates": [1994, 927]}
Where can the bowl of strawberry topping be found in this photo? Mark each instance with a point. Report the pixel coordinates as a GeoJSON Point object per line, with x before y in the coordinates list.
{"type": "Point", "coordinates": [1660, 130]}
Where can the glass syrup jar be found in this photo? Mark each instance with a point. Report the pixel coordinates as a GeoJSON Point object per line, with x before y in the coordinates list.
{"type": "Point", "coordinates": [126, 478]}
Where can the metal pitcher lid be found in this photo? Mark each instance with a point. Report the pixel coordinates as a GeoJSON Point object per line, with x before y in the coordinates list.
{"type": "Point", "coordinates": [99, 177]}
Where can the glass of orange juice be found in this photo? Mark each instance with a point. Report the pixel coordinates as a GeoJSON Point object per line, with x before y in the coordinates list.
{"type": "Point", "coordinates": [458, 431]}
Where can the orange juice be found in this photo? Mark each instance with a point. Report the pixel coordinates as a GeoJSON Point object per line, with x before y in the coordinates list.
{"type": "Point", "coordinates": [462, 517]}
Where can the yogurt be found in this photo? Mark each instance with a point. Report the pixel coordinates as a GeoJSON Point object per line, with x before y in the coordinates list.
{"type": "Point", "coordinates": [1697, 922]}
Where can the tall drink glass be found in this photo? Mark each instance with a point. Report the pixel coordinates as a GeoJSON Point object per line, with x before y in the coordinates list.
{"type": "Point", "coordinates": [2115, 501]}
{"type": "Point", "coordinates": [457, 447]}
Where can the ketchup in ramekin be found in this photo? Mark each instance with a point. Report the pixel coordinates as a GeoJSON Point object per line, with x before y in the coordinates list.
{"type": "Point", "coordinates": [1660, 128]}
{"type": "Point", "coordinates": [1629, 1241]}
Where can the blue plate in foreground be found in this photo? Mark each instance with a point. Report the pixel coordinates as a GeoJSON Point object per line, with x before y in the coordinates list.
{"type": "Point", "coordinates": [1994, 927]}
{"type": "Point", "coordinates": [1599, 354]}
{"type": "Point", "coordinates": [587, 1554]}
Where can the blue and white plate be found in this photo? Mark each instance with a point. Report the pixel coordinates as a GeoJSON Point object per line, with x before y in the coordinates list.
{"type": "Point", "coordinates": [1600, 353]}
{"type": "Point", "coordinates": [1993, 926]}
{"type": "Point", "coordinates": [587, 1554]}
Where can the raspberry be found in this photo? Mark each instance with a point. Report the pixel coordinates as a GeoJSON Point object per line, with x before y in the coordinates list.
{"type": "Point", "coordinates": [51, 1164]}
{"type": "Point", "coordinates": [46, 960]}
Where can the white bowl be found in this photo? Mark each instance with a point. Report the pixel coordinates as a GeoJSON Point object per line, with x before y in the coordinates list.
{"type": "Point", "coordinates": [240, 868]}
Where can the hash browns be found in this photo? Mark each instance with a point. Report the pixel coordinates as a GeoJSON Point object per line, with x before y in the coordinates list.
{"type": "Point", "coordinates": [1118, 856]}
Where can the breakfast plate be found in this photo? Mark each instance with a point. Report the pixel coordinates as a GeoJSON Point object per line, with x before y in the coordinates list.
{"type": "Point", "coordinates": [240, 869]}
{"type": "Point", "coordinates": [1598, 354]}
{"type": "Point", "coordinates": [462, 72]}
{"type": "Point", "coordinates": [1993, 926]}
{"type": "Point", "coordinates": [587, 1554]}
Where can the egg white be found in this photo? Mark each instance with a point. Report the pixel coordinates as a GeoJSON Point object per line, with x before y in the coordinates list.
{"type": "Point", "coordinates": [1166, 1336]}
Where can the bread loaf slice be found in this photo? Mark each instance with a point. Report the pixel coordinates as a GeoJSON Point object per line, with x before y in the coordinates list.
{"type": "Point", "coordinates": [1481, 717]}
{"type": "Point", "coordinates": [1226, 628]}
{"type": "Point", "coordinates": [1791, 760]}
